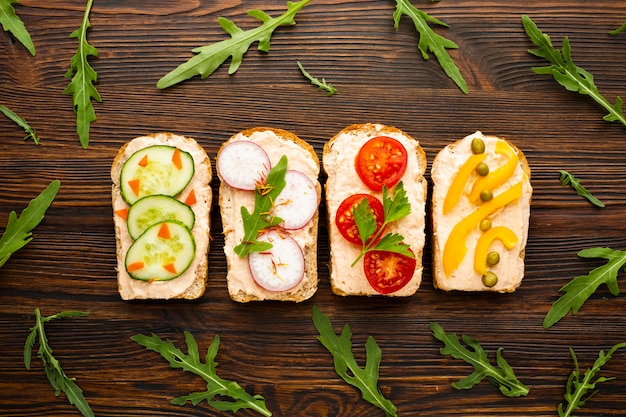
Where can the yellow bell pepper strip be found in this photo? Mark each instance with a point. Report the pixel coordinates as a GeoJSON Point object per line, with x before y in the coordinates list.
{"type": "Point", "coordinates": [498, 176]}
{"type": "Point", "coordinates": [455, 248]}
{"type": "Point", "coordinates": [503, 234]}
{"type": "Point", "coordinates": [460, 180]}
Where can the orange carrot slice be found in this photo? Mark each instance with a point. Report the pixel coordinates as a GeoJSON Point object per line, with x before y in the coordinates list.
{"type": "Point", "coordinates": [135, 266]}
{"type": "Point", "coordinates": [164, 231]}
{"type": "Point", "coordinates": [123, 213]}
{"type": "Point", "coordinates": [170, 268]}
{"type": "Point", "coordinates": [134, 185]}
{"type": "Point", "coordinates": [144, 161]}
{"type": "Point", "coordinates": [178, 163]}
{"type": "Point", "coordinates": [191, 198]}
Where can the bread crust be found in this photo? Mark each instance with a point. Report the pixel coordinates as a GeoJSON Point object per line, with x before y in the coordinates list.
{"type": "Point", "coordinates": [192, 283]}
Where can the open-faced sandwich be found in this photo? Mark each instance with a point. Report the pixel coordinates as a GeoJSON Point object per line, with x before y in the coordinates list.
{"type": "Point", "coordinates": [161, 201]}
{"type": "Point", "coordinates": [376, 202]}
{"type": "Point", "coordinates": [269, 200]}
{"type": "Point", "coordinates": [480, 210]}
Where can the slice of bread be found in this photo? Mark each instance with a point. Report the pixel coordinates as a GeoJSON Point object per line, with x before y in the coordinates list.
{"type": "Point", "coordinates": [343, 181]}
{"type": "Point", "coordinates": [300, 156]}
{"type": "Point", "coordinates": [500, 216]}
{"type": "Point", "coordinates": [192, 283]}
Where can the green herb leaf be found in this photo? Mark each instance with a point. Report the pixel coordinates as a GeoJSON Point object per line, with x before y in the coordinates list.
{"type": "Point", "coordinates": [30, 132]}
{"type": "Point", "coordinates": [618, 30]}
{"type": "Point", "coordinates": [210, 57]}
{"type": "Point", "coordinates": [84, 77]}
{"type": "Point", "coordinates": [262, 217]}
{"type": "Point", "coordinates": [365, 379]}
{"type": "Point", "coordinates": [578, 290]}
{"type": "Point", "coordinates": [57, 377]}
{"type": "Point", "coordinates": [322, 85]}
{"type": "Point", "coordinates": [567, 178]}
{"type": "Point", "coordinates": [216, 386]}
{"type": "Point", "coordinates": [431, 41]}
{"type": "Point", "coordinates": [566, 73]}
{"type": "Point", "coordinates": [12, 23]}
{"type": "Point", "coordinates": [502, 375]}
{"type": "Point", "coordinates": [18, 231]}
{"type": "Point", "coordinates": [577, 389]}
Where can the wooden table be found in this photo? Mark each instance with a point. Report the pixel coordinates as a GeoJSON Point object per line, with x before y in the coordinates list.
{"type": "Point", "coordinates": [271, 348]}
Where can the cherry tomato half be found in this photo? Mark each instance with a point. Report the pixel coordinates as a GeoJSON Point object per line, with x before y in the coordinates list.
{"type": "Point", "coordinates": [344, 218]}
{"type": "Point", "coordinates": [387, 271]}
{"type": "Point", "coordinates": [381, 161]}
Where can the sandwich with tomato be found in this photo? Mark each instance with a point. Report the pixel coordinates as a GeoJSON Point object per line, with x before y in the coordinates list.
{"type": "Point", "coordinates": [376, 202]}
{"type": "Point", "coordinates": [269, 198]}
{"type": "Point", "coordinates": [480, 214]}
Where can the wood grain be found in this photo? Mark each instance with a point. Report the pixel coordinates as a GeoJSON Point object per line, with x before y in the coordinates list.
{"type": "Point", "coordinates": [271, 348]}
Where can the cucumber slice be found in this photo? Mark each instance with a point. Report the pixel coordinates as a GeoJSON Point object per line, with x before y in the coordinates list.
{"type": "Point", "coordinates": [163, 252]}
{"type": "Point", "coordinates": [154, 209]}
{"type": "Point", "coordinates": [158, 169]}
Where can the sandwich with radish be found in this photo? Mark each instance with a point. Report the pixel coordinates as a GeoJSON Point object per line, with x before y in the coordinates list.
{"type": "Point", "coordinates": [480, 214]}
{"type": "Point", "coordinates": [161, 199]}
{"type": "Point", "coordinates": [269, 202]}
{"type": "Point", "coordinates": [376, 202]}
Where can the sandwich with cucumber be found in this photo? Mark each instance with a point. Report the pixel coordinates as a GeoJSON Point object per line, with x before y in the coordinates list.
{"type": "Point", "coordinates": [161, 197]}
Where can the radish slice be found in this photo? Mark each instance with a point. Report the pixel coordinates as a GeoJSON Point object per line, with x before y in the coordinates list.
{"type": "Point", "coordinates": [242, 164]}
{"type": "Point", "coordinates": [280, 268]}
{"type": "Point", "coordinates": [297, 202]}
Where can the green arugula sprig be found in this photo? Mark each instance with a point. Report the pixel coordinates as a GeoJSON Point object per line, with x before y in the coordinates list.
{"type": "Point", "coordinates": [216, 386]}
{"type": "Point", "coordinates": [365, 379]}
{"type": "Point", "coordinates": [576, 390]}
{"type": "Point", "coordinates": [431, 41]}
{"type": "Point", "coordinates": [502, 375]}
{"type": "Point", "coordinates": [261, 218]}
{"type": "Point", "coordinates": [82, 87]}
{"type": "Point", "coordinates": [578, 290]}
{"type": "Point", "coordinates": [57, 377]}
{"type": "Point", "coordinates": [21, 122]}
{"type": "Point", "coordinates": [11, 22]}
{"type": "Point", "coordinates": [395, 207]}
{"type": "Point", "coordinates": [567, 178]}
{"type": "Point", "coordinates": [618, 30]}
{"type": "Point", "coordinates": [210, 57]}
{"type": "Point", "coordinates": [18, 231]}
{"type": "Point", "coordinates": [322, 85]}
{"type": "Point", "coordinates": [566, 73]}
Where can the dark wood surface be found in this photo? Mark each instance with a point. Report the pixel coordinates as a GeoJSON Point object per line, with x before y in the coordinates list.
{"type": "Point", "coordinates": [271, 348]}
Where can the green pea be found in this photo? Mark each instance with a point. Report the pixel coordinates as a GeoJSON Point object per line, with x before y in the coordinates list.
{"type": "Point", "coordinates": [490, 279]}
{"type": "Point", "coordinates": [485, 224]}
{"type": "Point", "coordinates": [482, 169]}
{"type": "Point", "coordinates": [493, 258]}
{"type": "Point", "coordinates": [478, 146]}
{"type": "Point", "coordinates": [486, 195]}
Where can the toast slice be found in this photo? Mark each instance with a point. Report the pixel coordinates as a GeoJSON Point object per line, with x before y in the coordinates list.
{"type": "Point", "coordinates": [339, 157]}
{"type": "Point", "coordinates": [196, 195]}
{"type": "Point", "coordinates": [299, 156]}
{"type": "Point", "coordinates": [480, 215]}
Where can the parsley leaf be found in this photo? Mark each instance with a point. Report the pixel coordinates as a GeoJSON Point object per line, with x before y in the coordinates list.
{"type": "Point", "coordinates": [215, 385]}
{"type": "Point", "coordinates": [578, 290]}
{"type": "Point", "coordinates": [322, 85]}
{"type": "Point", "coordinates": [576, 390]}
{"type": "Point", "coordinates": [57, 377]}
{"type": "Point", "coordinates": [18, 231]}
{"type": "Point", "coordinates": [82, 85]}
{"type": "Point", "coordinates": [210, 57]}
{"type": "Point", "coordinates": [12, 23]}
{"type": "Point", "coordinates": [30, 132]}
{"type": "Point", "coordinates": [567, 178]}
{"type": "Point", "coordinates": [365, 379]}
{"type": "Point", "coordinates": [566, 73]}
{"type": "Point", "coordinates": [618, 30]}
{"type": "Point", "coordinates": [502, 375]}
{"type": "Point", "coordinates": [431, 41]}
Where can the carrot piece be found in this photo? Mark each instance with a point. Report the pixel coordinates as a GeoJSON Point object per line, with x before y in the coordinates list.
{"type": "Point", "coordinates": [144, 161]}
{"type": "Point", "coordinates": [123, 213]}
{"type": "Point", "coordinates": [178, 163]}
{"type": "Point", "coordinates": [164, 231]}
{"type": "Point", "coordinates": [170, 268]}
{"type": "Point", "coordinates": [135, 266]}
{"type": "Point", "coordinates": [191, 198]}
{"type": "Point", "coordinates": [134, 185]}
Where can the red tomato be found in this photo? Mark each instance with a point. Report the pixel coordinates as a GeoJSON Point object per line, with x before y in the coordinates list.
{"type": "Point", "coordinates": [387, 271]}
{"type": "Point", "coordinates": [381, 161]}
{"type": "Point", "coordinates": [344, 218]}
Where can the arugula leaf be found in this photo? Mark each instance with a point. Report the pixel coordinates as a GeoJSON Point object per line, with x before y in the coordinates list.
{"type": "Point", "coordinates": [262, 218]}
{"type": "Point", "coordinates": [618, 30]}
{"type": "Point", "coordinates": [578, 290]}
{"type": "Point", "coordinates": [57, 377]}
{"type": "Point", "coordinates": [567, 178]}
{"type": "Point", "coordinates": [12, 23]}
{"type": "Point", "coordinates": [431, 41]}
{"type": "Point", "coordinates": [365, 379]}
{"type": "Point", "coordinates": [30, 132]}
{"type": "Point", "coordinates": [210, 57]}
{"type": "Point", "coordinates": [322, 85]}
{"type": "Point", "coordinates": [502, 375]}
{"type": "Point", "coordinates": [216, 386]}
{"type": "Point", "coordinates": [576, 390]}
{"type": "Point", "coordinates": [84, 77]}
{"type": "Point", "coordinates": [566, 73]}
{"type": "Point", "coordinates": [18, 231]}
